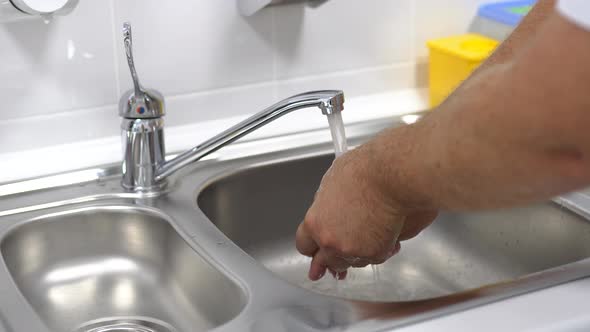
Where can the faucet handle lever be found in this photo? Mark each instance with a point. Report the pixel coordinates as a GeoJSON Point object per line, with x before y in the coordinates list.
{"type": "Point", "coordinates": [138, 103]}
{"type": "Point", "coordinates": [128, 41]}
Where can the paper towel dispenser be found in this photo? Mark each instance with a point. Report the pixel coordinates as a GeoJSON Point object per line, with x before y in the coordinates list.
{"type": "Point", "coordinates": [250, 7]}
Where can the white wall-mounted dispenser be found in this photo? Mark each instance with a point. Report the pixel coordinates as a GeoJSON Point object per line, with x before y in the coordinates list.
{"type": "Point", "coordinates": [250, 7]}
{"type": "Point", "coordinates": [14, 10]}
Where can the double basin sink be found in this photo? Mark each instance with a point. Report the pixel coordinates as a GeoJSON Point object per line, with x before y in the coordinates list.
{"type": "Point", "coordinates": [216, 251]}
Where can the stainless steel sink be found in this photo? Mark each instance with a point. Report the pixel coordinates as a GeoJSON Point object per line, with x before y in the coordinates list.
{"type": "Point", "coordinates": [260, 208]}
{"type": "Point", "coordinates": [116, 266]}
{"type": "Point", "coordinates": [215, 251]}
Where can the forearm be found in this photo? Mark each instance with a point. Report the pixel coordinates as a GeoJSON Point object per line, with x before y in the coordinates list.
{"type": "Point", "coordinates": [514, 133]}
{"type": "Point", "coordinates": [479, 153]}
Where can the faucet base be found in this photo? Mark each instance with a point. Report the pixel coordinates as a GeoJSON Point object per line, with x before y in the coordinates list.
{"type": "Point", "coordinates": [144, 152]}
{"type": "Point", "coordinates": [154, 188]}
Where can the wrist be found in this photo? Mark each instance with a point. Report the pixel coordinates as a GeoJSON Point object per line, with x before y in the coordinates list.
{"type": "Point", "coordinates": [396, 167]}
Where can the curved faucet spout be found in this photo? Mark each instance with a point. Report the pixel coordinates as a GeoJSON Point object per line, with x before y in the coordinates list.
{"type": "Point", "coordinates": [144, 166]}
{"type": "Point", "coordinates": [329, 101]}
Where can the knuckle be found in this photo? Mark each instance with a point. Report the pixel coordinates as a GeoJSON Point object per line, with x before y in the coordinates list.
{"type": "Point", "coordinates": [312, 216]}
{"type": "Point", "coordinates": [310, 221]}
{"type": "Point", "coordinates": [350, 250]}
{"type": "Point", "coordinates": [327, 240]}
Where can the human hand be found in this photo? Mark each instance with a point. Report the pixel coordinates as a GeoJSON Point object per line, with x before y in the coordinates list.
{"type": "Point", "coordinates": [354, 221]}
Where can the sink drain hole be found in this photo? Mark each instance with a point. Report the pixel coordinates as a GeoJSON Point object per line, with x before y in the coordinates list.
{"type": "Point", "coordinates": [126, 325]}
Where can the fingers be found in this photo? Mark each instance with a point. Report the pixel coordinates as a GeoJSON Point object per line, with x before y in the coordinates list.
{"type": "Point", "coordinates": [304, 242]}
{"type": "Point", "coordinates": [357, 261]}
{"type": "Point", "coordinates": [338, 275]}
{"type": "Point", "coordinates": [317, 270]}
{"type": "Point", "coordinates": [323, 261]}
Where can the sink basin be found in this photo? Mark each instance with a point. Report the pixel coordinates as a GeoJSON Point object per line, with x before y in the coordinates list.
{"type": "Point", "coordinates": [458, 252]}
{"type": "Point", "coordinates": [216, 251]}
{"type": "Point", "coordinates": [116, 268]}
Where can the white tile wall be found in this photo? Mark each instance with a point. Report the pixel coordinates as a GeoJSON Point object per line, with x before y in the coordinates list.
{"type": "Point", "coordinates": [60, 82]}
{"type": "Point", "coordinates": [342, 35]}
{"type": "Point", "coordinates": [66, 65]}
{"type": "Point", "coordinates": [190, 46]}
{"type": "Point", "coordinates": [436, 19]}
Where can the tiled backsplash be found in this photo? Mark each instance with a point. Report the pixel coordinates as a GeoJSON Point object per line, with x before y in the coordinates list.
{"type": "Point", "coordinates": [60, 82]}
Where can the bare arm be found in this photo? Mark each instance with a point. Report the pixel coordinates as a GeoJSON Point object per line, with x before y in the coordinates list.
{"type": "Point", "coordinates": [516, 132]}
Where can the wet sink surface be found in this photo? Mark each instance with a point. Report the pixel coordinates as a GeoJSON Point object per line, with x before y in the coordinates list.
{"type": "Point", "coordinates": [458, 252]}
{"type": "Point", "coordinates": [116, 268]}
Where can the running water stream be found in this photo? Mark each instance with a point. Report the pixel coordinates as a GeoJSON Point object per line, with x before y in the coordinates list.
{"type": "Point", "coordinates": [338, 134]}
{"type": "Point", "coordinates": [340, 147]}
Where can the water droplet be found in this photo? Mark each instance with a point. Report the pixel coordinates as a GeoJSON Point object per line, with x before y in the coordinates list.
{"type": "Point", "coordinates": [70, 49]}
{"type": "Point", "coordinates": [47, 19]}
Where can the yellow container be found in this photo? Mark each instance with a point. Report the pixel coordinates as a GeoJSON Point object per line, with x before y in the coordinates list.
{"type": "Point", "coordinates": [452, 60]}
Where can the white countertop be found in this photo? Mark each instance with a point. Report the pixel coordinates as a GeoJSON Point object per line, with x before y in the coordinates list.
{"type": "Point", "coordinates": [560, 308]}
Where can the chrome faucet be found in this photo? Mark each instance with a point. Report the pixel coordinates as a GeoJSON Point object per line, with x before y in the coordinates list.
{"type": "Point", "coordinates": [144, 166]}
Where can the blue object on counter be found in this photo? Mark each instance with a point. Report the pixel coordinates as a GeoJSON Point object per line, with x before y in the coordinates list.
{"type": "Point", "coordinates": [508, 12]}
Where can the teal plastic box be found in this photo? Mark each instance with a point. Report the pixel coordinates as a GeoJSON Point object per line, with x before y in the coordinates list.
{"type": "Point", "coordinates": [497, 20]}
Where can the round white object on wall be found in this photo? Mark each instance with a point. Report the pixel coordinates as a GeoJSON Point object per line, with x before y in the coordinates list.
{"type": "Point", "coordinates": [39, 7]}
{"type": "Point", "coordinates": [15, 10]}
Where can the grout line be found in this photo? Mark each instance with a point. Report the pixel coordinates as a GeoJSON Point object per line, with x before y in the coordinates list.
{"type": "Point", "coordinates": [294, 80]}
{"type": "Point", "coordinates": [51, 116]}
{"type": "Point", "coordinates": [274, 44]}
{"type": "Point", "coordinates": [349, 72]}
{"type": "Point", "coordinates": [414, 30]}
{"type": "Point", "coordinates": [221, 90]}
{"type": "Point", "coordinates": [115, 48]}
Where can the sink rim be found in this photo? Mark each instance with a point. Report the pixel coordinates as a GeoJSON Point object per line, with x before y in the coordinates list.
{"type": "Point", "coordinates": [64, 210]}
